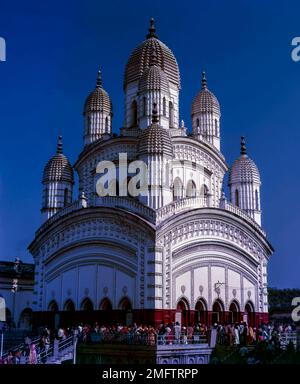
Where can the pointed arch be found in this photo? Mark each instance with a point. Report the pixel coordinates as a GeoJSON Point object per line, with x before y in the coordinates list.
{"type": "Point", "coordinates": [256, 200]}
{"type": "Point", "coordinates": [216, 128]}
{"type": "Point", "coordinates": [106, 125]}
{"type": "Point", "coordinates": [66, 197]}
{"type": "Point", "coordinates": [69, 306]}
{"type": "Point", "coordinates": [201, 311]}
{"type": "Point", "coordinates": [182, 304]}
{"type": "Point", "coordinates": [191, 190]}
{"type": "Point", "coordinates": [237, 198]}
{"type": "Point", "coordinates": [87, 305]}
{"type": "Point", "coordinates": [204, 191]}
{"type": "Point", "coordinates": [125, 304]}
{"type": "Point", "coordinates": [53, 306]}
{"type": "Point", "coordinates": [249, 313]}
{"type": "Point", "coordinates": [164, 107]}
{"type": "Point", "coordinates": [105, 305]}
{"type": "Point", "coordinates": [234, 312]}
{"type": "Point", "coordinates": [134, 114]}
{"type": "Point", "coordinates": [171, 114]}
{"type": "Point", "coordinates": [177, 189]}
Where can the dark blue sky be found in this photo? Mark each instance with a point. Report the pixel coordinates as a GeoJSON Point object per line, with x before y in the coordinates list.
{"type": "Point", "coordinates": [53, 54]}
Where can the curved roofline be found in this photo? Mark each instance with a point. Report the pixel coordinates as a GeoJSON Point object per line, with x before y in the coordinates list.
{"type": "Point", "coordinates": [203, 145]}
{"type": "Point", "coordinates": [217, 213]}
{"type": "Point", "coordinates": [81, 214]}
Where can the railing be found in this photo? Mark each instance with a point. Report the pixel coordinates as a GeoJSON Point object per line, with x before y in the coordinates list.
{"type": "Point", "coordinates": [146, 339]}
{"type": "Point", "coordinates": [21, 347]}
{"type": "Point", "coordinates": [287, 338]}
{"type": "Point", "coordinates": [70, 208]}
{"type": "Point", "coordinates": [239, 212]}
{"type": "Point", "coordinates": [180, 205]}
{"type": "Point", "coordinates": [132, 204]}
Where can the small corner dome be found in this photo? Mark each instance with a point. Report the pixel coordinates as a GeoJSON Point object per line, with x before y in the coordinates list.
{"type": "Point", "coordinates": [205, 101]}
{"type": "Point", "coordinates": [154, 79]}
{"type": "Point", "coordinates": [244, 169]}
{"type": "Point", "coordinates": [140, 58]}
{"type": "Point", "coordinates": [155, 139]}
{"type": "Point", "coordinates": [98, 100]}
{"type": "Point", "coordinates": [58, 167]}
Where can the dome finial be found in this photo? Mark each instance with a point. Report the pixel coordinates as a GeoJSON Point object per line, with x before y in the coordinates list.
{"type": "Point", "coordinates": [99, 79]}
{"type": "Point", "coordinates": [152, 29]}
{"type": "Point", "coordinates": [203, 80]}
{"type": "Point", "coordinates": [154, 114]}
{"type": "Point", "coordinates": [243, 146]}
{"type": "Point", "coordinates": [59, 145]}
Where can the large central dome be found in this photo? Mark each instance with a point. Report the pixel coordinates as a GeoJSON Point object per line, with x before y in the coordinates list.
{"type": "Point", "coordinates": [140, 59]}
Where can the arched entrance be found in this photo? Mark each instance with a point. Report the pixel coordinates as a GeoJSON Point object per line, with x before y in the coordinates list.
{"type": "Point", "coordinates": [106, 305]}
{"type": "Point", "coordinates": [201, 312]}
{"type": "Point", "coordinates": [217, 312]}
{"type": "Point", "coordinates": [53, 306]}
{"type": "Point", "coordinates": [126, 307]}
{"type": "Point", "coordinates": [87, 305]}
{"type": "Point", "coordinates": [249, 314]}
{"type": "Point", "coordinates": [25, 321]}
{"type": "Point", "coordinates": [234, 312]}
{"type": "Point", "coordinates": [69, 306]}
{"type": "Point", "coordinates": [182, 311]}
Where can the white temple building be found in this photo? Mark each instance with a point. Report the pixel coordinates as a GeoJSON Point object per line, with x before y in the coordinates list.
{"type": "Point", "coordinates": [178, 251]}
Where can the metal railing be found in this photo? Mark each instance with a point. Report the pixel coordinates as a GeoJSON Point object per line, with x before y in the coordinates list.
{"type": "Point", "coordinates": [145, 339]}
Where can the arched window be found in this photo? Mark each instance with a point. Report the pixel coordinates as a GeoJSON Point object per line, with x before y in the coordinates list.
{"type": "Point", "coordinates": [171, 115]}
{"type": "Point", "coordinates": [201, 311]}
{"type": "Point", "coordinates": [134, 114]}
{"type": "Point", "coordinates": [216, 127]}
{"type": "Point", "coordinates": [69, 306]}
{"type": "Point", "coordinates": [53, 306]}
{"type": "Point", "coordinates": [106, 124]}
{"type": "Point", "coordinates": [204, 190]}
{"type": "Point", "coordinates": [125, 304]}
{"type": "Point", "coordinates": [87, 305]}
{"type": "Point", "coordinates": [65, 197]}
{"type": "Point", "coordinates": [256, 200]}
{"type": "Point", "coordinates": [177, 189]}
{"type": "Point", "coordinates": [237, 199]}
{"type": "Point", "coordinates": [182, 305]}
{"type": "Point", "coordinates": [197, 123]}
{"type": "Point", "coordinates": [191, 190]}
{"type": "Point", "coordinates": [144, 106]}
{"type": "Point", "coordinates": [164, 107]}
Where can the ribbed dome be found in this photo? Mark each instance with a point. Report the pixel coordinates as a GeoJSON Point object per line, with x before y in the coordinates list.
{"type": "Point", "coordinates": [140, 58]}
{"type": "Point", "coordinates": [205, 101]}
{"type": "Point", "coordinates": [154, 79]}
{"type": "Point", "coordinates": [58, 167]}
{"type": "Point", "coordinates": [244, 169]}
{"type": "Point", "coordinates": [98, 100]}
{"type": "Point", "coordinates": [155, 139]}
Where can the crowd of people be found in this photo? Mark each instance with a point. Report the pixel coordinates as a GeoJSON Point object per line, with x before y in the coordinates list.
{"type": "Point", "coordinates": [232, 335]}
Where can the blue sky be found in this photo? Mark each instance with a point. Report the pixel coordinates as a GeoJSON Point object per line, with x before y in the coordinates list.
{"type": "Point", "coordinates": [55, 49]}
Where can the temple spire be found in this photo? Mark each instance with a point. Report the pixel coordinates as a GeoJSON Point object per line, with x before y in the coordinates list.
{"type": "Point", "coordinates": [99, 79]}
{"type": "Point", "coordinates": [59, 145]}
{"type": "Point", "coordinates": [152, 29]}
{"type": "Point", "coordinates": [243, 146]}
{"type": "Point", "coordinates": [203, 81]}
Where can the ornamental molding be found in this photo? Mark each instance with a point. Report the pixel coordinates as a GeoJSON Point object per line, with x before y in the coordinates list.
{"type": "Point", "coordinates": [216, 228]}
